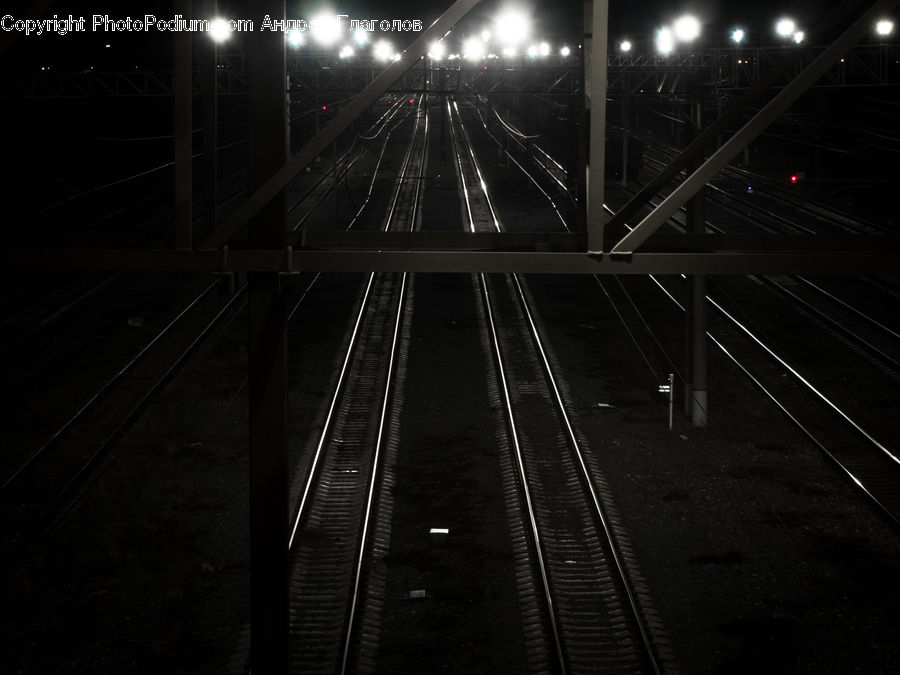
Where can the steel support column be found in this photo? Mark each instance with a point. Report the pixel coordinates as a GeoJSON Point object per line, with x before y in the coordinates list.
{"type": "Point", "coordinates": [699, 409]}
{"type": "Point", "coordinates": [269, 511]}
{"type": "Point", "coordinates": [208, 88]}
{"type": "Point", "coordinates": [597, 152]}
{"type": "Point", "coordinates": [183, 132]}
{"type": "Point", "coordinates": [697, 310]}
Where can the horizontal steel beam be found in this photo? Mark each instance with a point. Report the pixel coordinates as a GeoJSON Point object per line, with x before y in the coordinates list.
{"type": "Point", "coordinates": [293, 262]}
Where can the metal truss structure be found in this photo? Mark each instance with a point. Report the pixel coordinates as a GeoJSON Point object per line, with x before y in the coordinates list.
{"type": "Point", "coordinates": [720, 69]}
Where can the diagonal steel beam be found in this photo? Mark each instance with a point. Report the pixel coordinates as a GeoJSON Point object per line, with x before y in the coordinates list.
{"type": "Point", "coordinates": [732, 115]}
{"type": "Point", "coordinates": [339, 124]}
{"type": "Point", "coordinates": [751, 129]}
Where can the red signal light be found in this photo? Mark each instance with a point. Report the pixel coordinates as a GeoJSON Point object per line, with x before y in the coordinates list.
{"type": "Point", "coordinates": [324, 107]}
{"type": "Point", "coordinates": [410, 100]}
{"type": "Point", "coordinates": [793, 178]}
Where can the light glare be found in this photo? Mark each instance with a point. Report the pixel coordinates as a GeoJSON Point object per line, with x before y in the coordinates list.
{"type": "Point", "coordinates": [565, 51]}
{"type": "Point", "coordinates": [625, 46]}
{"type": "Point", "coordinates": [665, 41]}
{"type": "Point", "coordinates": [325, 28]}
{"type": "Point", "coordinates": [346, 52]}
{"type": "Point", "coordinates": [436, 51]}
{"type": "Point", "coordinates": [294, 38]}
{"type": "Point", "coordinates": [798, 37]}
{"type": "Point", "coordinates": [219, 30]}
{"type": "Point", "coordinates": [512, 27]}
{"type": "Point", "coordinates": [785, 27]}
{"type": "Point", "coordinates": [738, 35]}
{"type": "Point", "coordinates": [884, 27]}
{"type": "Point", "coordinates": [383, 51]}
{"type": "Point", "coordinates": [687, 29]}
{"type": "Point", "coordinates": [474, 49]}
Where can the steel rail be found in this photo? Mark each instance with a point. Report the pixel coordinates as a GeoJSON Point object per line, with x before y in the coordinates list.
{"type": "Point", "coordinates": [598, 509]}
{"type": "Point", "coordinates": [508, 408]}
{"type": "Point", "coordinates": [387, 398]}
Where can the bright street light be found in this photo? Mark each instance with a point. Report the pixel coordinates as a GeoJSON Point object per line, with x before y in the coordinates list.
{"type": "Point", "coordinates": [625, 46]}
{"type": "Point", "coordinates": [785, 27]}
{"type": "Point", "coordinates": [738, 35]}
{"type": "Point", "coordinates": [665, 41]}
{"type": "Point", "coordinates": [219, 30]}
{"type": "Point", "coordinates": [474, 49]}
{"type": "Point", "coordinates": [884, 27]}
{"type": "Point", "coordinates": [798, 37]}
{"type": "Point", "coordinates": [565, 51]}
{"type": "Point", "coordinates": [361, 37]}
{"type": "Point", "coordinates": [383, 50]}
{"type": "Point", "coordinates": [512, 27]}
{"type": "Point", "coordinates": [544, 49]}
{"type": "Point", "coordinates": [294, 38]}
{"type": "Point", "coordinates": [436, 51]}
{"type": "Point", "coordinates": [686, 28]}
{"type": "Point", "coordinates": [325, 28]}
{"type": "Point", "coordinates": [346, 52]}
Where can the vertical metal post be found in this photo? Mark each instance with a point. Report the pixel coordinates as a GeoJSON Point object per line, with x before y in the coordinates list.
{"type": "Point", "coordinates": [625, 136]}
{"type": "Point", "coordinates": [699, 406]}
{"type": "Point", "coordinates": [578, 181]}
{"type": "Point", "coordinates": [269, 511]}
{"type": "Point", "coordinates": [209, 91]}
{"type": "Point", "coordinates": [597, 151]}
{"type": "Point", "coordinates": [183, 132]}
{"type": "Point", "coordinates": [696, 220]}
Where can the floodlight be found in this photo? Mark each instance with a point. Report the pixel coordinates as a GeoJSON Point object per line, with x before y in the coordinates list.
{"type": "Point", "coordinates": [738, 35]}
{"type": "Point", "coordinates": [665, 41]}
{"type": "Point", "coordinates": [383, 50]}
{"type": "Point", "coordinates": [798, 37]}
{"type": "Point", "coordinates": [625, 46]}
{"type": "Point", "coordinates": [884, 27]}
{"type": "Point", "coordinates": [785, 27]}
{"type": "Point", "coordinates": [686, 28]}
{"type": "Point", "coordinates": [565, 51]}
{"type": "Point", "coordinates": [325, 28]}
{"type": "Point", "coordinates": [436, 51]}
{"type": "Point", "coordinates": [361, 37]}
{"type": "Point", "coordinates": [294, 38]}
{"type": "Point", "coordinates": [543, 49]}
{"type": "Point", "coordinates": [219, 30]}
{"type": "Point", "coordinates": [512, 27]}
{"type": "Point", "coordinates": [346, 52]}
{"type": "Point", "coordinates": [474, 49]}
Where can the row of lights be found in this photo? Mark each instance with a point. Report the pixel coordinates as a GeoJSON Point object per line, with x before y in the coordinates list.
{"type": "Point", "coordinates": [687, 29]}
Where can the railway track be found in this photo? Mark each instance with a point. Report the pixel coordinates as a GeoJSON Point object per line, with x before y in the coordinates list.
{"type": "Point", "coordinates": [584, 602]}
{"type": "Point", "coordinates": [841, 422]}
{"type": "Point", "coordinates": [39, 489]}
{"type": "Point", "coordinates": [41, 484]}
{"type": "Point", "coordinates": [335, 531]}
